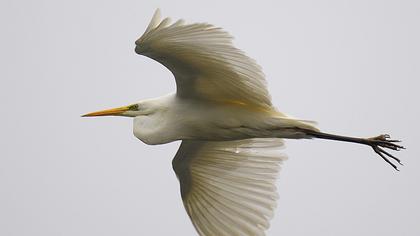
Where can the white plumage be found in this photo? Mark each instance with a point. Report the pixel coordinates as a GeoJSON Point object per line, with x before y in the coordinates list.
{"type": "Point", "coordinates": [228, 188]}
{"type": "Point", "coordinates": [229, 157]}
{"type": "Point", "coordinates": [204, 62]}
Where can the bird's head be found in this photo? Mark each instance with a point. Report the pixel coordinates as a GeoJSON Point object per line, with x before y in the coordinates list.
{"type": "Point", "coordinates": [148, 116]}
{"type": "Point", "coordinates": [132, 110]}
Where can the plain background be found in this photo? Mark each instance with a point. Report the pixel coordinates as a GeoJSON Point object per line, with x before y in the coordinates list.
{"type": "Point", "coordinates": [353, 66]}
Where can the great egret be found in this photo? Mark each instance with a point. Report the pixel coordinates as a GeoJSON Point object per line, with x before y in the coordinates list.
{"type": "Point", "coordinates": [228, 159]}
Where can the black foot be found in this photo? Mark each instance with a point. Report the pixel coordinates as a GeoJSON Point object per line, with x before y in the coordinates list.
{"type": "Point", "coordinates": [380, 142]}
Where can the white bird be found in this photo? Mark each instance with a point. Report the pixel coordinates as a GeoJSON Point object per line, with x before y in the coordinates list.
{"type": "Point", "coordinates": [229, 157]}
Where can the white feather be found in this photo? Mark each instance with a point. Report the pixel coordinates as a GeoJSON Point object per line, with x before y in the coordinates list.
{"type": "Point", "coordinates": [205, 63]}
{"type": "Point", "coordinates": [228, 188]}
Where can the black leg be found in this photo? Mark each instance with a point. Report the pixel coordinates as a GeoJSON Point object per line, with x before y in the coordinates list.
{"type": "Point", "coordinates": [378, 144]}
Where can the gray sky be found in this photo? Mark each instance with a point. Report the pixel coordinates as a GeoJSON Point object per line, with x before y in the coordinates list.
{"type": "Point", "coordinates": [353, 66]}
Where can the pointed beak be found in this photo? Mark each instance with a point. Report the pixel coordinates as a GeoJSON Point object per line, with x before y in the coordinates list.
{"type": "Point", "coordinates": [109, 112]}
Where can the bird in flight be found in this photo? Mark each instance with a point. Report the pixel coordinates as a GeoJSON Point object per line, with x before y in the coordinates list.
{"type": "Point", "coordinates": [229, 157]}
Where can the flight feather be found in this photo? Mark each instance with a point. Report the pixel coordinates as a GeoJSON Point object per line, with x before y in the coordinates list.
{"type": "Point", "coordinates": [204, 62]}
{"type": "Point", "coordinates": [228, 188]}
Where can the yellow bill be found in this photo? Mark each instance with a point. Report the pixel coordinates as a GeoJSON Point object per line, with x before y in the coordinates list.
{"type": "Point", "coordinates": [109, 112]}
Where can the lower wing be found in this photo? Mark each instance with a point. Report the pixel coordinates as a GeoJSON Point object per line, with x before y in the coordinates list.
{"type": "Point", "coordinates": [228, 187]}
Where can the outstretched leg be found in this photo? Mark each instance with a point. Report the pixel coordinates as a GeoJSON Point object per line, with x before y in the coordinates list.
{"type": "Point", "coordinates": [378, 144]}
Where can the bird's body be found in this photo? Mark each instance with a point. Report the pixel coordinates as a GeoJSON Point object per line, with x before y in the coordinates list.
{"type": "Point", "coordinates": [231, 133]}
{"type": "Point", "coordinates": [171, 118]}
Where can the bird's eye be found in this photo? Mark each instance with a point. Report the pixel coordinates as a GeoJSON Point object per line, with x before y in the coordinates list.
{"type": "Point", "coordinates": [134, 107]}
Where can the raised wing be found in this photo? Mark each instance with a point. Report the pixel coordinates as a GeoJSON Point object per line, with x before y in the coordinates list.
{"type": "Point", "coordinates": [228, 188]}
{"type": "Point", "coordinates": [204, 62]}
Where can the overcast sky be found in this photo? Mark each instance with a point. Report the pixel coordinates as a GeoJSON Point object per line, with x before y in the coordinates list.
{"type": "Point", "coordinates": [352, 66]}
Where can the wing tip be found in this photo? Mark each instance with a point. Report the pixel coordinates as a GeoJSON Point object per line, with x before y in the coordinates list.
{"type": "Point", "coordinates": [156, 19]}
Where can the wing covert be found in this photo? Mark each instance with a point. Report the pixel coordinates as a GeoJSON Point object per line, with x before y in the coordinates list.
{"type": "Point", "coordinates": [204, 62]}
{"type": "Point", "coordinates": [228, 188]}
